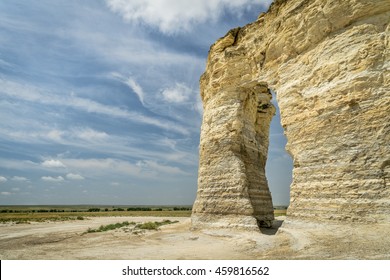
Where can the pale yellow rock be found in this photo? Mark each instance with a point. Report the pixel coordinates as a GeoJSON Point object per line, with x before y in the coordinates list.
{"type": "Point", "coordinates": [329, 63]}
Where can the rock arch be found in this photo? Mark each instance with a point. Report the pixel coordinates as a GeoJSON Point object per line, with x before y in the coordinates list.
{"type": "Point", "coordinates": [329, 62]}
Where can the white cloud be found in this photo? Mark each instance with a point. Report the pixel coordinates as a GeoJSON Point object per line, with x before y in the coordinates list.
{"type": "Point", "coordinates": [52, 179]}
{"type": "Point", "coordinates": [178, 94]}
{"type": "Point", "coordinates": [19, 179]}
{"type": "Point", "coordinates": [53, 163]}
{"type": "Point", "coordinates": [173, 16]}
{"type": "Point", "coordinates": [3, 179]}
{"type": "Point", "coordinates": [5, 193]}
{"type": "Point", "coordinates": [72, 176]}
{"type": "Point", "coordinates": [16, 189]}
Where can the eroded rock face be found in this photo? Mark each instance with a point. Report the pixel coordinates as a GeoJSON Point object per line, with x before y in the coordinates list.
{"type": "Point", "coordinates": [328, 62]}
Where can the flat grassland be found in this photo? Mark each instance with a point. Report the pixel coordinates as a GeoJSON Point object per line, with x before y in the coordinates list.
{"type": "Point", "coordinates": [27, 214]}
{"type": "Point", "coordinates": [35, 233]}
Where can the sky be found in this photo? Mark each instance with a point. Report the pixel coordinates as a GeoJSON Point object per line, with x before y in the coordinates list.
{"type": "Point", "coordinates": [99, 100]}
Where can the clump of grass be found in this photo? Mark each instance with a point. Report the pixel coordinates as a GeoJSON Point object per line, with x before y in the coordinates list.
{"type": "Point", "coordinates": [154, 225]}
{"type": "Point", "coordinates": [110, 227]}
{"type": "Point", "coordinates": [80, 218]}
{"type": "Point", "coordinates": [148, 226]}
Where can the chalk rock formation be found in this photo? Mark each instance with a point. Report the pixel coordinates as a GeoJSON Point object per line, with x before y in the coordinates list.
{"type": "Point", "coordinates": [328, 62]}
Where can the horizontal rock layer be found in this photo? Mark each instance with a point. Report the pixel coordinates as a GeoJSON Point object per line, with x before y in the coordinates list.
{"type": "Point", "coordinates": [328, 62]}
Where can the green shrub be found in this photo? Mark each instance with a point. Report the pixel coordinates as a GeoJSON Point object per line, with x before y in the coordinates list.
{"type": "Point", "coordinates": [148, 226]}
{"type": "Point", "coordinates": [110, 227]}
{"type": "Point", "coordinates": [154, 225]}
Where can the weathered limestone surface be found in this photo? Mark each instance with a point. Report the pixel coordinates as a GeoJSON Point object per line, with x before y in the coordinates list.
{"type": "Point", "coordinates": [328, 62]}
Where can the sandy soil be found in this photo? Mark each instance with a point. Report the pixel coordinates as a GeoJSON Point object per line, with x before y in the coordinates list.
{"type": "Point", "coordinates": [287, 240]}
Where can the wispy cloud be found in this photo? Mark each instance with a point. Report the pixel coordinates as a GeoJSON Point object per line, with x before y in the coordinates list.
{"type": "Point", "coordinates": [6, 193]}
{"type": "Point", "coordinates": [19, 179]}
{"type": "Point", "coordinates": [3, 179]}
{"type": "Point", "coordinates": [137, 89]}
{"type": "Point", "coordinates": [153, 166]}
{"type": "Point", "coordinates": [171, 100]}
{"type": "Point", "coordinates": [86, 139]}
{"type": "Point", "coordinates": [34, 94]}
{"type": "Point", "coordinates": [96, 166]}
{"type": "Point", "coordinates": [52, 179]}
{"type": "Point", "coordinates": [89, 134]}
{"type": "Point", "coordinates": [72, 176]}
{"type": "Point", "coordinates": [16, 164]}
{"type": "Point", "coordinates": [132, 84]}
{"type": "Point", "coordinates": [109, 166]}
{"type": "Point", "coordinates": [177, 94]}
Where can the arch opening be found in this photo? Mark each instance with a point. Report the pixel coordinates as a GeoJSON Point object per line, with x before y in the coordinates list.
{"type": "Point", "coordinates": [279, 163]}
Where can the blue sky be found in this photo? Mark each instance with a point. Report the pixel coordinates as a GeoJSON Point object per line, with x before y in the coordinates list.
{"type": "Point", "coordinates": [99, 100]}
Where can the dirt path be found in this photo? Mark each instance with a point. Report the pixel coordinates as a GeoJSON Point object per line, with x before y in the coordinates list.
{"type": "Point", "coordinates": [66, 240]}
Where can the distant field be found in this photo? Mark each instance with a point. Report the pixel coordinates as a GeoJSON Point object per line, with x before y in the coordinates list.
{"type": "Point", "coordinates": [280, 212]}
{"type": "Point", "coordinates": [25, 214]}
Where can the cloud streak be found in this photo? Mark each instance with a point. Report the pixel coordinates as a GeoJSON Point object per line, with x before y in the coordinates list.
{"type": "Point", "coordinates": [52, 179]}
{"type": "Point", "coordinates": [145, 169]}
{"type": "Point", "coordinates": [137, 89]}
{"type": "Point", "coordinates": [19, 179]}
{"type": "Point", "coordinates": [33, 94]}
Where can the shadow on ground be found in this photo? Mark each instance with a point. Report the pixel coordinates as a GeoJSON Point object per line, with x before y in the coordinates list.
{"type": "Point", "coordinates": [272, 230]}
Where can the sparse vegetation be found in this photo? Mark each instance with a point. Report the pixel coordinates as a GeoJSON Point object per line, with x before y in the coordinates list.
{"type": "Point", "coordinates": [154, 225]}
{"type": "Point", "coordinates": [110, 227]}
{"type": "Point", "coordinates": [136, 228]}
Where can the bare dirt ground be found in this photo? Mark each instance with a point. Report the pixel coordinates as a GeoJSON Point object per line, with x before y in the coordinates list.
{"type": "Point", "coordinates": [287, 240]}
